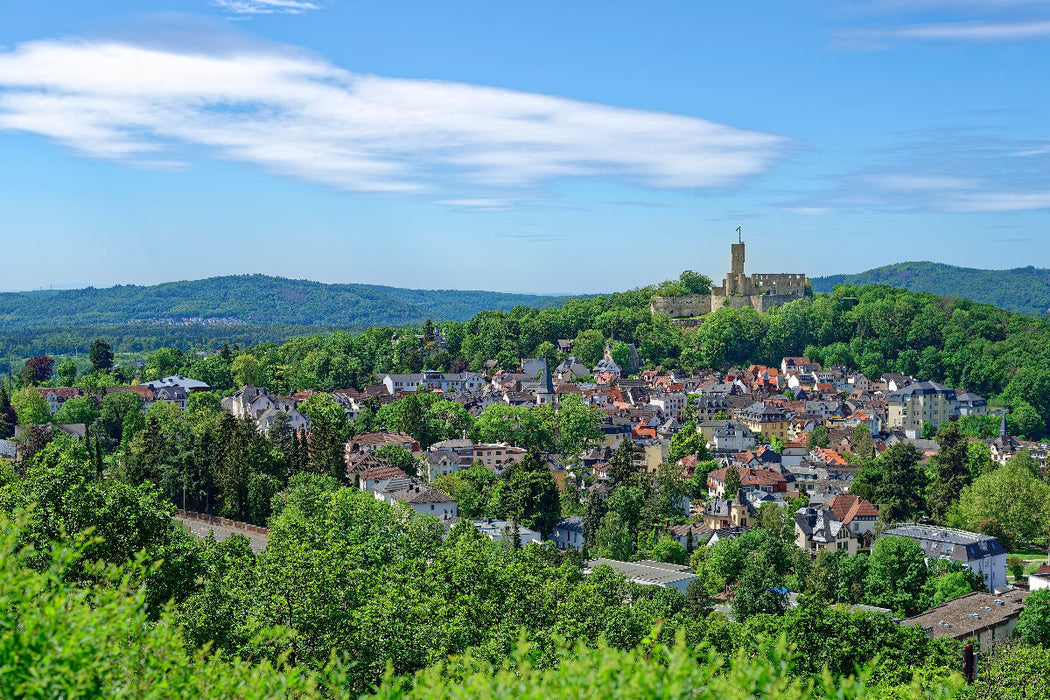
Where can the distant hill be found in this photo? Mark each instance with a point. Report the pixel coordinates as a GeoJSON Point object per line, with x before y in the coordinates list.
{"type": "Point", "coordinates": [252, 299]}
{"type": "Point", "coordinates": [1023, 289]}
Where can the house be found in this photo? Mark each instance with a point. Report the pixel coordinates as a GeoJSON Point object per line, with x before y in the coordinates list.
{"type": "Point", "coordinates": [608, 366]}
{"type": "Point", "coordinates": [448, 456]}
{"type": "Point", "coordinates": [800, 365]}
{"type": "Point", "coordinates": [568, 532]}
{"type": "Point", "coordinates": [370, 479]}
{"type": "Point", "coordinates": [765, 418]}
{"type": "Point", "coordinates": [727, 436]}
{"type": "Point", "coordinates": [893, 381]}
{"type": "Point", "coordinates": [729, 512]}
{"type": "Point", "coordinates": [189, 385]}
{"type": "Point", "coordinates": [496, 456]}
{"type": "Point", "coordinates": [670, 403]}
{"type": "Point", "coordinates": [707, 407]}
{"type": "Point", "coordinates": [423, 499]}
{"type": "Point", "coordinates": [432, 380]}
{"type": "Point", "coordinates": [768, 480]}
{"type": "Point", "coordinates": [258, 405]}
{"type": "Point", "coordinates": [690, 535]}
{"type": "Point", "coordinates": [818, 530]}
{"type": "Point", "coordinates": [855, 513]}
{"type": "Point", "coordinates": [1005, 445]}
{"type": "Point", "coordinates": [726, 533]}
{"type": "Point", "coordinates": [58, 395]}
{"type": "Point", "coordinates": [987, 618]}
{"type": "Point", "coordinates": [968, 403]}
{"type": "Point", "coordinates": [1040, 579]}
{"type": "Point", "coordinates": [571, 370]}
{"type": "Point", "coordinates": [648, 573]}
{"type": "Point", "coordinates": [918, 403]}
{"type": "Point", "coordinates": [503, 530]}
{"type": "Point", "coordinates": [982, 554]}
{"type": "Point", "coordinates": [370, 442]}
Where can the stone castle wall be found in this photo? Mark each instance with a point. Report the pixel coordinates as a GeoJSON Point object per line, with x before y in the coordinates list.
{"type": "Point", "coordinates": [682, 307]}
{"type": "Point", "coordinates": [783, 284]}
{"type": "Point", "coordinates": [758, 302]}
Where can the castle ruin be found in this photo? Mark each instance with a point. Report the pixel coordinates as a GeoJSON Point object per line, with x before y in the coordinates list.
{"type": "Point", "coordinates": [759, 291]}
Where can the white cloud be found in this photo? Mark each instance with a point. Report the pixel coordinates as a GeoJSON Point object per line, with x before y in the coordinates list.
{"type": "Point", "coordinates": [947, 31]}
{"type": "Point", "coordinates": [1003, 201]}
{"type": "Point", "coordinates": [299, 116]}
{"type": "Point", "coordinates": [265, 7]}
{"type": "Point", "coordinates": [922, 182]}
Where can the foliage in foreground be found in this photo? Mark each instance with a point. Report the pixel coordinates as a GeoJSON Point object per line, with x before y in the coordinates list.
{"type": "Point", "coordinates": [650, 670]}
{"type": "Point", "coordinates": [60, 639]}
{"type": "Point", "coordinates": [63, 640]}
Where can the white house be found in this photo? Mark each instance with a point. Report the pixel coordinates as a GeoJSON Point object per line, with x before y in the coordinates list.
{"type": "Point", "coordinates": [424, 500]}
{"type": "Point", "coordinates": [982, 554]}
{"type": "Point", "coordinates": [568, 532]}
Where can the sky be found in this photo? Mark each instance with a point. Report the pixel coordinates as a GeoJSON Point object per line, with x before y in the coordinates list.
{"type": "Point", "coordinates": [548, 147]}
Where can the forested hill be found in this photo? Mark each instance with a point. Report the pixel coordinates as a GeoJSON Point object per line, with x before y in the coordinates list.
{"type": "Point", "coordinates": [253, 299]}
{"type": "Point", "coordinates": [1023, 289]}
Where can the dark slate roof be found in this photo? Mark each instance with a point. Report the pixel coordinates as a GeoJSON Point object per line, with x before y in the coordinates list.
{"type": "Point", "coordinates": [573, 523]}
{"type": "Point", "coordinates": [957, 545]}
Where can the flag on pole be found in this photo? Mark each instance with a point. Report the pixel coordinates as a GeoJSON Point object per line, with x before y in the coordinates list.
{"type": "Point", "coordinates": [738, 229]}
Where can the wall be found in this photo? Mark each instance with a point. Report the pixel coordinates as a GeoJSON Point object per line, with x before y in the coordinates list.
{"type": "Point", "coordinates": [783, 283]}
{"type": "Point", "coordinates": [681, 307]}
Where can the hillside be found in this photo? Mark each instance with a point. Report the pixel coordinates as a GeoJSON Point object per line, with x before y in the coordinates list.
{"type": "Point", "coordinates": [252, 299]}
{"type": "Point", "coordinates": [1024, 289]}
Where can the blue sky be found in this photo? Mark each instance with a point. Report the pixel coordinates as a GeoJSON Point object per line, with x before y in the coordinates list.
{"type": "Point", "coordinates": [541, 147]}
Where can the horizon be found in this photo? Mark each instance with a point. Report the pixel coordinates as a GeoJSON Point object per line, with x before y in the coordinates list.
{"type": "Point", "coordinates": [512, 146]}
{"type": "Point", "coordinates": [714, 281]}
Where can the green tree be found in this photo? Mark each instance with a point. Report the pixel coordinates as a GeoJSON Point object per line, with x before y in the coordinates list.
{"type": "Point", "coordinates": [577, 427]}
{"type": "Point", "coordinates": [78, 409]}
{"type": "Point", "coordinates": [66, 373]}
{"type": "Point", "coordinates": [621, 354]}
{"type": "Point", "coordinates": [30, 406]}
{"type": "Point", "coordinates": [732, 482]}
{"type": "Point", "coordinates": [902, 483]}
{"type": "Point", "coordinates": [818, 438]}
{"type": "Point", "coordinates": [1009, 502]}
{"type": "Point", "coordinates": [760, 590]}
{"type": "Point", "coordinates": [528, 494]}
{"type": "Point", "coordinates": [101, 356]}
{"type": "Point", "coordinates": [896, 575]}
{"type": "Point", "coordinates": [1033, 626]}
{"type": "Point", "coordinates": [687, 441]}
{"type": "Point", "coordinates": [247, 370]}
{"type": "Point", "coordinates": [613, 539]}
{"type": "Point", "coordinates": [621, 463]}
{"type": "Point", "coordinates": [951, 471]}
{"type": "Point", "coordinates": [588, 347]}
{"type": "Point", "coordinates": [398, 456]}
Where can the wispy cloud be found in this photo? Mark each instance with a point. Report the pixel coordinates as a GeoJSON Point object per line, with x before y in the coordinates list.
{"type": "Point", "coordinates": [979, 31]}
{"type": "Point", "coordinates": [1003, 201]}
{"type": "Point", "coordinates": [297, 115]}
{"type": "Point", "coordinates": [265, 7]}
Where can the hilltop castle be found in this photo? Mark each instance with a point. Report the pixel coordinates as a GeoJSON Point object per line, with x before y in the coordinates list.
{"type": "Point", "coordinates": [760, 291]}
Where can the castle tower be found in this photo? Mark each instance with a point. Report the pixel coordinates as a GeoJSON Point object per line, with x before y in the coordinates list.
{"type": "Point", "coordinates": [737, 262]}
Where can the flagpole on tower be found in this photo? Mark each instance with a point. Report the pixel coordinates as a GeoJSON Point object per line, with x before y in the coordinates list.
{"type": "Point", "coordinates": [739, 236]}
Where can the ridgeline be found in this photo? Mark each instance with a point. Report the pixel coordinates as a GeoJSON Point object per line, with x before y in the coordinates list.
{"type": "Point", "coordinates": [252, 299]}
{"type": "Point", "coordinates": [1025, 290]}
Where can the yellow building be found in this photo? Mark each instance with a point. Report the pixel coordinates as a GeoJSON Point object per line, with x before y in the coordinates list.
{"type": "Point", "coordinates": [761, 417]}
{"type": "Point", "coordinates": [919, 403]}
